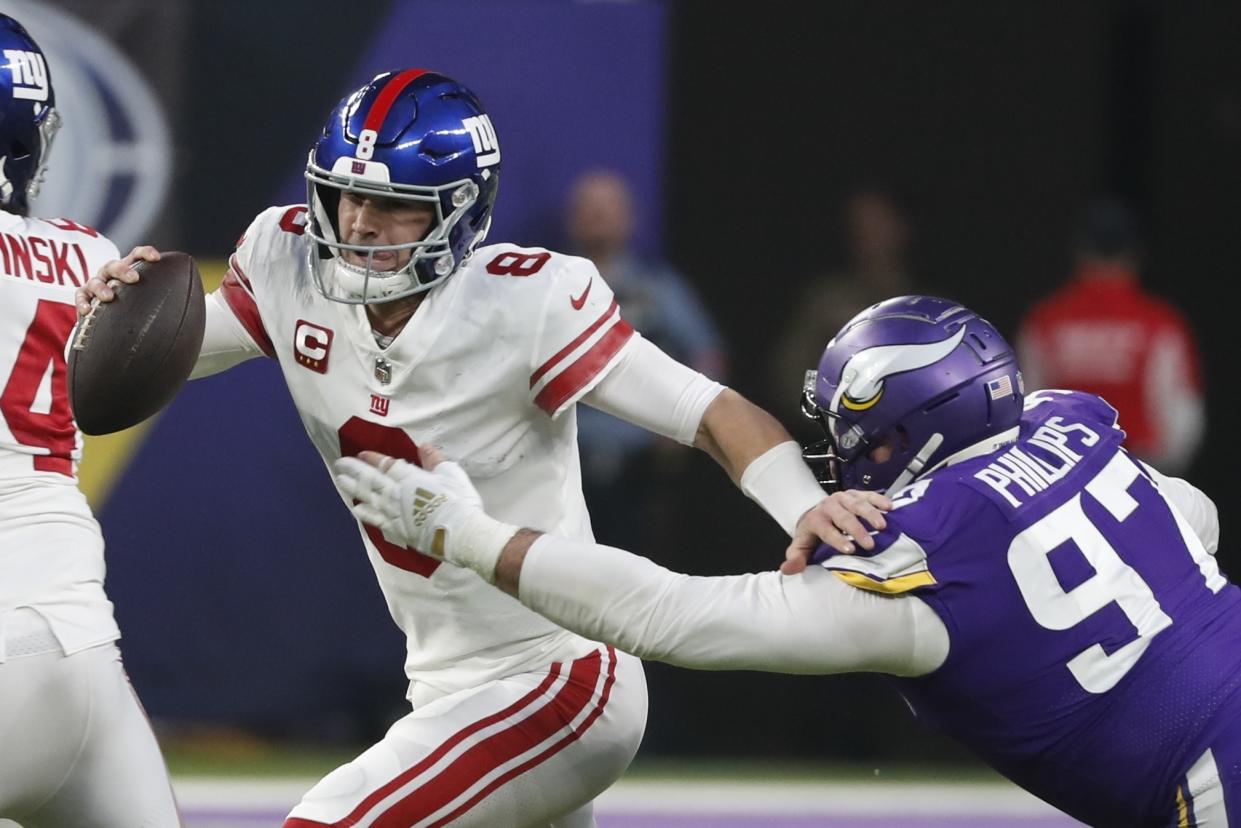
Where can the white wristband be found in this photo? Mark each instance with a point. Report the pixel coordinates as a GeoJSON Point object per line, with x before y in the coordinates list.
{"type": "Point", "coordinates": [780, 481]}
{"type": "Point", "coordinates": [478, 543]}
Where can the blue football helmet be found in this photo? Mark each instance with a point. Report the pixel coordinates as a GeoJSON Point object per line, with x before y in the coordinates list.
{"type": "Point", "coordinates": [925, 376]}
{"type": "Point", "coordinates": [412, 135]}
{"type": "Point", "coordinates": [28, 117]}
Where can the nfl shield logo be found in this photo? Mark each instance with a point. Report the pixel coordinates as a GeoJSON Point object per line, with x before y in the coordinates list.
{"type": "Point", "coordinates": [383, 370]}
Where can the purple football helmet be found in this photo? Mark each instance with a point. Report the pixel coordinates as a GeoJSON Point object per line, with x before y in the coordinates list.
{"type": "Point", "coordinates": [28, 117]}
{"type": "Point", "coordinates": [925, 376]}
{"type": "Point", "coordinates": [412, 135]}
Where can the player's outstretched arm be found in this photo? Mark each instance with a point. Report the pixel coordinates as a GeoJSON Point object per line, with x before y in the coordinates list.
{"type": "Point", "coordinates": [740, 435]}
{"type": "Point", "coordinates": [650, 389]}
{"type": "Point", "coordinates": [812, 623]}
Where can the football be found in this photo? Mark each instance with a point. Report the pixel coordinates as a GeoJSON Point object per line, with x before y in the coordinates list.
{"type": "Point", "coordinates": [129, 357]}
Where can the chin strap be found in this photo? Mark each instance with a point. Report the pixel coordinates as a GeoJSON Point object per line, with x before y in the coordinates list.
{"type": "Point", "coordinates": [917, 464]}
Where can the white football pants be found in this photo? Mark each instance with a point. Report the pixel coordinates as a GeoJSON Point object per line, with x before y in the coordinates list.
{"type": "Point", "coordinates": [76, 748]}
{"type": "Point", "coordinates": [531, 749]}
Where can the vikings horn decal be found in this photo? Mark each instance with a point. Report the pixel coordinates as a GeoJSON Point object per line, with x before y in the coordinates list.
{"type": "Point", "coordinates": [861, 381]}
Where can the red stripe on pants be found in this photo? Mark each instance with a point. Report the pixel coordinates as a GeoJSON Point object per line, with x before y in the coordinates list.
{"type": "Point", "coordinates": [430, 759]}
{"type": "Point", "coordinates": [499, 748]}
{"type": "Point", "coordinates": [569, 739]}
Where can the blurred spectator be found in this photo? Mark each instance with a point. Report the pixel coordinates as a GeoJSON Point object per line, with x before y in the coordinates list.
{"type": "Point", "coordinates": [876, 232]}
{"type": "Point", "coordinates": [623, 465]}
{"type": "Point", "coordinates": [1102, 332]}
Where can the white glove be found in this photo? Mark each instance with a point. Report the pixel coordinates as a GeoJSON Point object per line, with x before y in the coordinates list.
{"type": "Point", "coordinates": [438, 512]}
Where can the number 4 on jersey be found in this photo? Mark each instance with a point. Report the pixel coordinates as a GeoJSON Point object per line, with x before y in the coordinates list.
{"type": "Point", "coordinates": [35, 399]}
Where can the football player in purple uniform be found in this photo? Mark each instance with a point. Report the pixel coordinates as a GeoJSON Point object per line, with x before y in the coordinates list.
{"type": "Point", "coordinates": [1035, 592]}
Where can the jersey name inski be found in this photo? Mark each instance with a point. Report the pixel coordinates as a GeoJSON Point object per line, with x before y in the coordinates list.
{"type": "Point", "coordinates": [49, 261]}
{"type": "Point", "coordinates": [1041, 460]}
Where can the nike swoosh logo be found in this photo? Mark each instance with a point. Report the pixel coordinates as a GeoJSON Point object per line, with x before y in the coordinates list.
{"type": "Point", "coordinates": [581, 300]}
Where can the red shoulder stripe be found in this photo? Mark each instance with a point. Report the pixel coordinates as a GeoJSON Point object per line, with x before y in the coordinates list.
{"type": "Point", "coordinates": [586, 368]}
{"type": "Point", "coordinates": [236, 292]}
{"type": "Point", "coordinates": [235, 268]}
{"type": "Point", "coordinates": [568, 349]}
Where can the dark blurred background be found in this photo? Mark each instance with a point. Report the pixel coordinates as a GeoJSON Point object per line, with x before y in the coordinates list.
{"type": "Point", "coordinates": [744, 130]}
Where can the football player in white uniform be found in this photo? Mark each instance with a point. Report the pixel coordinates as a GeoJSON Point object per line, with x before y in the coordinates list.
{"type": "Point", "coordinates": [75, 746]}
{"type": "Point", "coordinates": [395, 331]}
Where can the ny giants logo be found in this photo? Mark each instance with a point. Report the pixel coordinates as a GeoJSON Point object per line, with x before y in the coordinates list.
{"type": "Point", "coordinates": [379, 405]}
{"type": "Point", "coordinates": [29, 75]}
{"type": "Point", "coordinates": [311, 345]}
{"type": "Point", "coordinates": [483, 134]}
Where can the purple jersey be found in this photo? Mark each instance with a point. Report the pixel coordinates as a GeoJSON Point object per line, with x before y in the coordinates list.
{"type": "Point", "coordinates": [1095, 647]}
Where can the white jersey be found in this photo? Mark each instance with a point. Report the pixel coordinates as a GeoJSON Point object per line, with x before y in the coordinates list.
{"type": "Point", "coordinates": [488, 370]}
{"type": "Point", "coordinates": [51, 550]}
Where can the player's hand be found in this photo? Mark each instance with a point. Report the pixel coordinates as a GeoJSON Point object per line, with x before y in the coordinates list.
{"type": "Point", "coordinates": [840, 521]}
{"type": "Point", "coordinates": [98, 288]}
{"type": "Point", "coordinates": [435, 510]}
{"type": "Point", "coordinates": [408, 503]}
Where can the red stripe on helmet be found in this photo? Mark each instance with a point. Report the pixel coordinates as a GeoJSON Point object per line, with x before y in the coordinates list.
{"type": "Point", "coordinates": [388, 95]}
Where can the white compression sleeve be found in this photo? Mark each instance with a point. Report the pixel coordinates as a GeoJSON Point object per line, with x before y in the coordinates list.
{"type": "Point", "coordinates": [652, 390]}
{"type": "Point", "coordinates": [811, 623]}
{"type": "Point", "coordinates": [225, 341]}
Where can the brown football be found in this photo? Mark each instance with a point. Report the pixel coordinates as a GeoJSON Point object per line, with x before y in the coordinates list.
{"type": "Point", "coordinates": [128, 357]}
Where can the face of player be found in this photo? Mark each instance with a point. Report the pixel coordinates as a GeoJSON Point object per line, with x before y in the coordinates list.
{"type": "Point", "coordinates": [882, 452]}
{"type": "Point", "coordinates": [368, 220]}
{"type": "Point", "coordinates": [886, 447]}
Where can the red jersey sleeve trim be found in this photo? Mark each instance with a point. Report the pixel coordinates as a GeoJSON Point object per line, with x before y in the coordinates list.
{"type": "Point", "coordinates": [568, 349]}
{"type": "Point", "coordinates": [237, 293]}
{"type": "Point", "coordinates": [578, 375]}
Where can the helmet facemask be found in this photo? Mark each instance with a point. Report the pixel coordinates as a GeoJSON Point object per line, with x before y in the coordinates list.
{"type": "Point", "coordinates": [846, 457]}
{"type": "Point", "coordinates": [431, 258]}
{"type": "Point", "coordinates": [48, 127]}
{"type": "Point", "coordinates": [820, 455]}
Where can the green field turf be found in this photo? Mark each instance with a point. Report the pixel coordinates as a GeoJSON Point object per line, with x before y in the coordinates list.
{"type": "Point", "coordinates": [249, 759]}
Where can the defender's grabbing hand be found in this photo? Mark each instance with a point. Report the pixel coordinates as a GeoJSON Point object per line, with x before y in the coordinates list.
{"type": "Point", "coordinates": [435, 510]}
{"type": "Point", "coordinates": [842, 520]}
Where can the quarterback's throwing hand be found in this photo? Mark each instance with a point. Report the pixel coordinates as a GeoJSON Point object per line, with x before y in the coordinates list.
{"type": "Point", "coordinates": [435, 510]}
{"type": "Point", "coordinates": [98, 288]}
